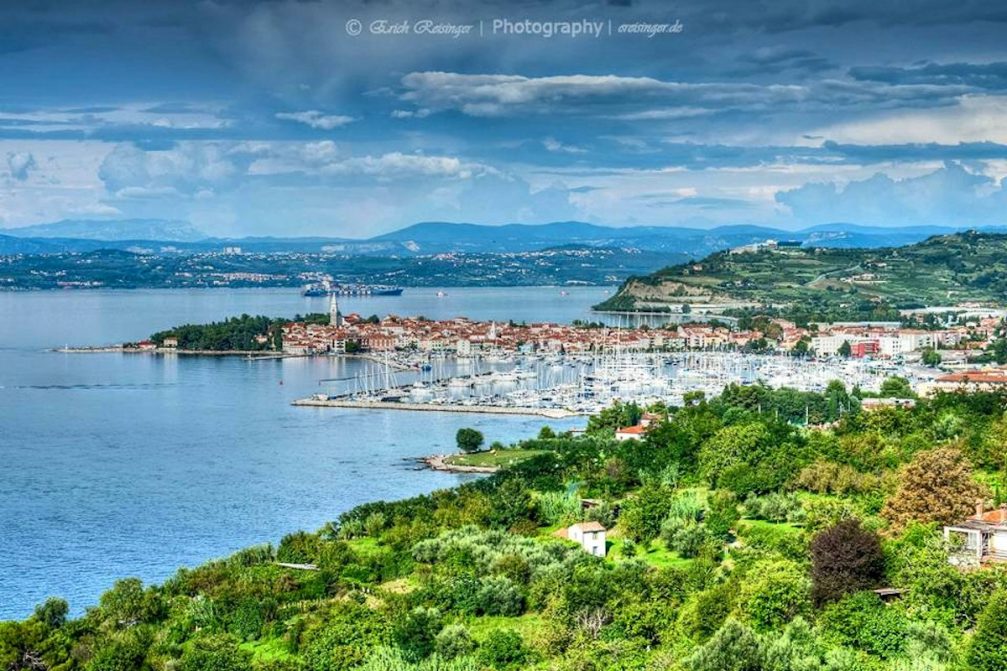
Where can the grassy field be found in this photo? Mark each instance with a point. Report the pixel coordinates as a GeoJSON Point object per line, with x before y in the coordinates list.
{"type": "Point", "coordinates": [492, 458]}
{"type": "Point", "coordinates": [656, 554]}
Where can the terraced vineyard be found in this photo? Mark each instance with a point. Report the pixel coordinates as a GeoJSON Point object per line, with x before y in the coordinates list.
{"type": "Point", "coordinates": [965, 267]}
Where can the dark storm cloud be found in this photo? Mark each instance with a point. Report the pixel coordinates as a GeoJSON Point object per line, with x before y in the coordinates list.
{"type": "Point", "coordinates": [992, 76]}
{"type": "Point", "coordinates": [917, 152]}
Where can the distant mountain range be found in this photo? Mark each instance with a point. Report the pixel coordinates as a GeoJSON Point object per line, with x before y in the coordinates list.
{"type": "Point", "coordinates": [114, 229]}
{"type": "Point", "coordinates": [155, 235]}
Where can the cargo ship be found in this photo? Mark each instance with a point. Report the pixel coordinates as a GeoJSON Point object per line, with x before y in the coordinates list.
{"type": "Point", "coordinates": [351, 290]}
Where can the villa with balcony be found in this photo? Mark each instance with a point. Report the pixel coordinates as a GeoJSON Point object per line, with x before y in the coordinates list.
{"type": "Point", "coordinates": [983, 537]}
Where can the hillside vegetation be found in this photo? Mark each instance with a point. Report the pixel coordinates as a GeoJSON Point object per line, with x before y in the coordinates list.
{"type": "Point", "coordinates": [740, 541]}
{"type": "Point", "coordinates": [824, 282]}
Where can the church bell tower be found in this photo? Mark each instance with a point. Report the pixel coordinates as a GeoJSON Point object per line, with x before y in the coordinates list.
{"type": "Point", "coordinates": [335, 319]}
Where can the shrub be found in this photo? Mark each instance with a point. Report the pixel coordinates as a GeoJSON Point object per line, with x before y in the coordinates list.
{"type": "Point", "coordinates": [733, 648]}
{"type": "Point", "coordinates": [454, 641]}
{"type": "Point", "coordinates": [123, 652]}
{"type": "Point", "coordinates": [820, 514]}
{"type": "Point", "coordinates": [684, 537]}
{"type": "Point", "coordinates": [774, 507]}
{"type": "Point", "coordinates": [502, 649]}
{"type": "Point", "coordinates": [214, 653]}
{"type": "Point", "coordinates": [415, 633]}
{"type": "Point", "coordinates": [497, 595]}
{"type": "Point", "coordinates": [773, 593]}
{"type": "Point", "coordinates": [384, 658]}
{"type": "Point", "coordinates": [299, 547]}
{"type": "Point", "coordinates": [723, 515]}
{"type": "Point", "coordinates": [604, 513]}
{"type": "Point", "coordinates": [513, 566]}
{"type": "Point", "coordinates": [796, 649]}
{"type": "Point", "coordinates": [826, 477]}
{"type": "Point", "coordinates": [988, 649]}
{"type": "Point", "coordinates": [774, 539]}
{"type": "Point", "coordinates": [128, 603]}
{"type": "Point", "coordinates": [686, 506]}
{"type": "Point", "coordinates": [558, 508]}
{"type": "Point", "coordinates": [248, 618]}
{"type": "Point", "coordinates": [863, 622]}
{"type": "Point", "coordinates": [845, 558]}
{"type": "Point", "coordinates": [705, 611]}
{"type": "Point", "coordinates": [345, 640]}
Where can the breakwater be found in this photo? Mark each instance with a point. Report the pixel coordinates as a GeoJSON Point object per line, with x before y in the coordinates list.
{"type": "Point", "coordinates": [552, 413]}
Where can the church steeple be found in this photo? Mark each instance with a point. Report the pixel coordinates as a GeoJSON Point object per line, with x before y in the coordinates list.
{"type": "Point", "coordinates": [335, 319]}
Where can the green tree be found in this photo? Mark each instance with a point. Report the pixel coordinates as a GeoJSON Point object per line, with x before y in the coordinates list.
{"type": "Point", "coordinates": [844, 349]}
{"type": "Point", "coordinates": [801, 347]}
{"type": "Point", "coordinates": [936, 486]}
{"type": "Point", "coordinates": [469, 440]}
{"type": "Point", "coordinates": [454, 641]}
{"type": "Point", "coordinates": [128, 604]}
{"type": "Point", "coordinates": [988, 648]}
{"type": "Point", "coordinates": [931, 357]}
{"type": "Point", "coordinates": [52, 613]}
{"type": "Point", "coordinates": [503, 649]}
{"type": "Point", "coordinates": [124, 651]}
{"type": "Point", "coordinates": [615, 416]}
{"type": "Point", "coordinates": [862, 621]}
{"type": "Point", "coordinates": [845, 558]}
{"type": "Point", "coordinates": [896, 387]}
{"type": "Point", "coordinates": [416, 633]}
{"type": "Point", "coordinates": [773, 593]}
{"type": "Point", "coordinates": [734, 647]}
{"type": "Point", "coordinates": [643, 514]}
{"type": "Point", "coordinates": [796, 649]}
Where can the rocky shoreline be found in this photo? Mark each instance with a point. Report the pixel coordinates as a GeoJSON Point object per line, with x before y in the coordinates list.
{"type": "Point", "coordinates": [438, 462]}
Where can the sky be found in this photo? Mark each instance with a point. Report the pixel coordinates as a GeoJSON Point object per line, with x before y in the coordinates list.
{"type": "Point", "coordinates": [356, 118]}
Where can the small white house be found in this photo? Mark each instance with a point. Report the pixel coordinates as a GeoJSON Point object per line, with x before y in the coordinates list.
{"type": "Point", "coordinates": [631, 432]}
{"type": "Point", "coordinates": [983, 536]}
{"type": "Point", "coordinates": [589, 535]}
{"type": "Point", "coordinates": [638, 431]}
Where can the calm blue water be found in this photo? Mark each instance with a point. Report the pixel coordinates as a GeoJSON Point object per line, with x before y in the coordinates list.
{"type": "Point", "coordinates": [117, 465]}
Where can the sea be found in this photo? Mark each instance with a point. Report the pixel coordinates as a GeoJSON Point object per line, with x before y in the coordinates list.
{"type": "Point", "coordinates": [115, 465]}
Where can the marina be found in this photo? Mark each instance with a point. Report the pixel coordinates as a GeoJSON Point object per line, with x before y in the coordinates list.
{"type": "Point", "coordinates": [557, 385]}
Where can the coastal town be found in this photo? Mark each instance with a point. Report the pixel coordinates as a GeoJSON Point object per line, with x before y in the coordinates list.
{"type": "Point", "coordinates": [566, 369]}
{"type": "Point", "coordinates": [463, 337]}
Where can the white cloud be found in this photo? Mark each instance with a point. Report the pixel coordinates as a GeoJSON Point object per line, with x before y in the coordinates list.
{"type": "Point", "coordinates": [421, 113]}
{"type": "Point", "coordinates": [973, 119]}
{"type": "Point", "coordinates": [324, 159]}
{"type": "Point", "coordinates": [316, 119]}
{"type": "Point", "coordinates": [554, 145]}
{"type": "Point", "coordinates": [19, 164]}
{"type": "Point", "coordinates": [130, 172]}
{"type": "Point", "coordinates": [949, 195]}
{"type": "Point", "coordinates": [499, 95]}
{"type": "Point", "coordinates": [94, 209]}
{"type": "Point", "coordinates": [131, 115]}
{"type": "Point", "coordinates": [397, 164]}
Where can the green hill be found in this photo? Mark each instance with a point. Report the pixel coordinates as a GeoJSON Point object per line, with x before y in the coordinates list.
{"type": "Point", "coordinates": [737, 541]}
{"type": "Point", "coordinates": [966, 267]}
